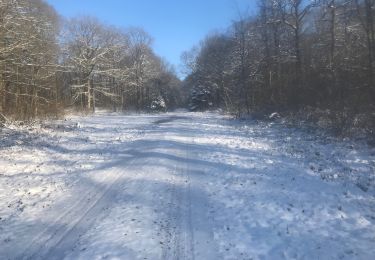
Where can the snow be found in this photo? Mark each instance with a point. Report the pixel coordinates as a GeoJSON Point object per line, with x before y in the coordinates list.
{"type": "Point", "coordinates": [183, 186]}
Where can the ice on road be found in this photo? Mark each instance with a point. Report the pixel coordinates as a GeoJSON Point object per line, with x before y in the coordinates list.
{"type": "Point", "coordinates": [183, 186]}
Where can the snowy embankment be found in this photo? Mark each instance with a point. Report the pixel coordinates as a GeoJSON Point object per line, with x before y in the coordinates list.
{"type": "Point", "coordinates": [189, 186]}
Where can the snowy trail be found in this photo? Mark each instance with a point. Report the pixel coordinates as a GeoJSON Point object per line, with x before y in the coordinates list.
{"type": "Point", "coordinates": [184, 186]}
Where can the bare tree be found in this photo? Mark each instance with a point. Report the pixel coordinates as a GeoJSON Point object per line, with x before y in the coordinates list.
{"type": "Point", "coordinates": [89, 48]}
{"type": "Point", "coordinates": [28, 57]}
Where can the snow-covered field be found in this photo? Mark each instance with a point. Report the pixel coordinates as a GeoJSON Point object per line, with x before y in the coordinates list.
{"type": "Point", "coordinates": [183, 186]}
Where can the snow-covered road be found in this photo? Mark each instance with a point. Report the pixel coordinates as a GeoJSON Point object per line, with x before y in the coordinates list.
{"type": "Point", "coordinates": [183, 186]}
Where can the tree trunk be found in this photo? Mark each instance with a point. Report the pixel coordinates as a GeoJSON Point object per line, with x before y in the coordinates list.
{"type": "Point", "coordinates": [93, 96]}
{"type": "Point", "coordinates": [89, 98]}
{"type": "Point", "coordinates": [2, 94]}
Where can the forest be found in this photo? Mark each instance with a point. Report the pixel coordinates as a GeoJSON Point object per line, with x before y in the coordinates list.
{"type": "Point", "coordinates": [312, 59]}
{"type": "Point", "coordinates": [48, 64]}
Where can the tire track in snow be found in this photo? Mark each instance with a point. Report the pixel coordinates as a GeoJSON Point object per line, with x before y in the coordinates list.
{"type": "Point", "coordinates": [188, 231]}
{"type": "Point", "coordinates": [73, 222]}
{"type": "Point", "coordinates": [62, 233]}
{"type": "Point", "coordinates": [178, 227]}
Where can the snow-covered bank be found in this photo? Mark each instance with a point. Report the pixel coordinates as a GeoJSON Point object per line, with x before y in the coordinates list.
{"type": "Point", "coordinates": [183, 185]}
{"type": "Point", "coordinates": [286, 194]}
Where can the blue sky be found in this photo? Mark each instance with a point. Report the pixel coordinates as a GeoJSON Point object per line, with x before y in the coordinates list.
{"type": "Point", "coordinates": [175, 25]}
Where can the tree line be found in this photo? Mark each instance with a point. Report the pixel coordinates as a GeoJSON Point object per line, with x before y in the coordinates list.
{"type": "Point", "coordinates": [291, 55]}
{"type": "Point", "coordinates": [48, 64]}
